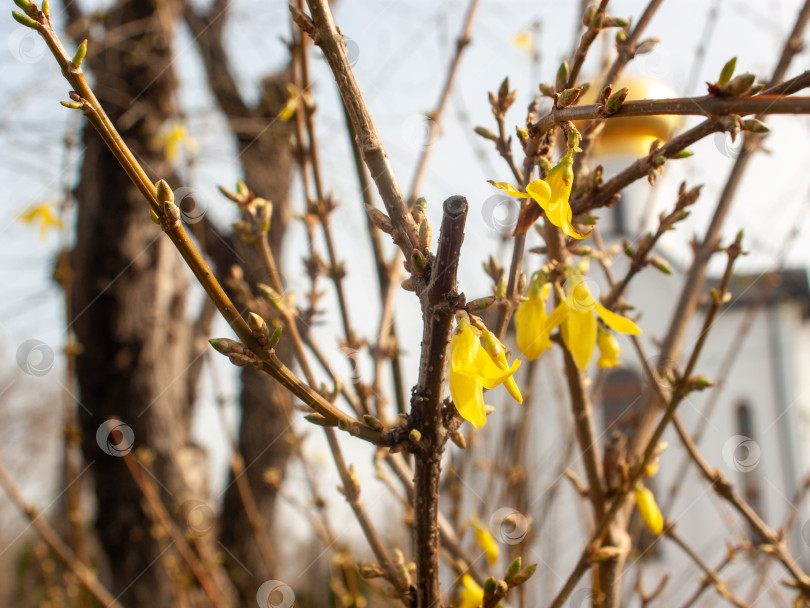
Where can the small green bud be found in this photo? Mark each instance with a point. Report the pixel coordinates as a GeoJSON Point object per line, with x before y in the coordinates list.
{"type": "Point", "coordinates": [164, 192]}
{"type": "Point", "coordinates": [659, 160]}
{"type": "Point", "coordinates": [373, 422]}
{"type": "Point", "coordinates": [524, 575]}
{"type": "Point", "coordinates": [489, 586]}
{"type": "Point", "coordinates": [562, 76]}
{"type": "Point", "coordinates": [480, 304]}
{"type": "Point", "coordinates": [344, 424]}
{"type": "Point", "coordinates": [485, 133]}
{"type": "Point", "coordinates": [242, 189]}
{"type": "Point", "coordinates": [503, 90]}
{"type": "Point", "coordinates": [418, 262]}
{"type": "Point", "coordinates": [24, 20]}
{"type": "Point", "coordinates": [273, 340]}
{"type": "Point", "coordinates": [457, 438]}
{"type": "Point", "coordinates": [755, 126]}
{"type": "Point", "coordinates": [317, 419]}
{"type": "Point", "coordinates": [513, 568]}
{"type": "Point", "coordinates": [615, 102]}
{"type": "Point", "coordinates": [80, 53]}
{"type": "Point", "coordinates": [682, 154]}
{"type": "Point", "coordinates": [661, 265]}
{"type": "Point", "coordinates": [414, 436]}
{"type": "Point", "coordinates": [258, 326]}
{"type": "Point", "coordinates": [727, 72]}
{"type": "Point", "coordinates": [154, 217]}
{"type": "Point", "coordinates": [24, 5]}
{"type": "Point", "coordinates": [46, 8]}
{"type": "Point", "coordinates": [419, 210]}
{"type": "Point", "coordinates": [740, 85]}
{"type": "Point", "coordinates": [425, 234]}
{"type": "Point", "coordinates": [73, 105]}
{"type": "Point", "coordinates": [621, 36]}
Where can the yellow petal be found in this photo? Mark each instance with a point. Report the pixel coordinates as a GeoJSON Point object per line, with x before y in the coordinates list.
{"type": "Point", "coordinates": [540, 191]}
{"type": "Point", "coordinates": [608, 350]}
{"type": "Point", "coordinates": [472, 595]}
{"type": "Point", "coordinates": [621, 324]}
{"type": "Point", "coordinates": [464, 347]}
{"type": "Point", "coordinates": [468, 396]}
{"type": "Point", "coordinates": [648, 509]}
{"type": "Point", "coordinates": [486, 542]}
{"type": "Point", "coordinates": [579, 335]}
{"type": "Point", "coordinates": [530, 326]}
{"type": "Point", "coordinates": [509, 189]}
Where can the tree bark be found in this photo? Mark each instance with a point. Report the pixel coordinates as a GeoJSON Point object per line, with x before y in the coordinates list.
{"type": "Point", "coordinates": [140, 354]}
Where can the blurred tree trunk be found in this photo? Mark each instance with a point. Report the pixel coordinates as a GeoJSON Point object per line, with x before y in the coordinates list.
{"type": "Point", "coordinates": [267, 161]}
{"type": "Point", "coordinates": [141, 355]}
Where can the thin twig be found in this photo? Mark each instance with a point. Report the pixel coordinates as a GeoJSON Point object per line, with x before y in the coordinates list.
{"type": "Point", "coordinates": [86, 577]}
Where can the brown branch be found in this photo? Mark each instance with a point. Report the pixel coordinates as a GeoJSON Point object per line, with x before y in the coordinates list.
{"type": "Point", "coordinates": [439, 300]}
{"type": "Point", "coordinates": [706, 105]}
{"type": "Point", "coordinates": [87, 577]}
{"type": "Point", "coordinates": [720, 586]}
{"type": "Point", "coordinates": [585, 42]}
{"type": "Point", "coordinates": [326, 35]}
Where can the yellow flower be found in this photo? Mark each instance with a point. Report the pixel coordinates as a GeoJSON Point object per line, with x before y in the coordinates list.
{"type": "Point", "coordinates": [648, 509]}
{"type": "Point", "coordinates": [291, 104]}
{"type": "Point", "coordinates": [174, 137]}
{"type": "Point", "coordinates": [472, 596]}
{"type": "Point", "coordinates": [579, 329]}
{"type": "Point", "coordinates": [473, 368]}
{"type": "Point", "coordinates": [532, 325]}
{"type": "Point", "coordinates": [524, 41]}
{"type": "Point", "coordinates": [608, 350]}
{"type": "Point", "coordinates": [552, 194]}
{"type": "Point", "coordinates": [486, 542]}
{"type": "Point", "coordinates": [42, 214]}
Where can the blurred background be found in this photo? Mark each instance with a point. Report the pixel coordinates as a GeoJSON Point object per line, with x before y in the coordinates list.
{"type": "Point", "coordinates": [200, 87]}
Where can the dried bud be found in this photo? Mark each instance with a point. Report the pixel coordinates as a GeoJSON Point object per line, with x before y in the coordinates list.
{"type": "Point", "coordinates": [408, 285]}
{"type": "Point", "coordinates": [419, 210]}
{"type": "Point", "coordinates": [380, 220]}
{"type": "Point", "coordinates": [661, 265]}
{"type": "Point", "coordinates": [257, 326]}
{"type": "Point", "coordinates": [740, 85]}
{"type": "Point", "coordinates": [425, 234]}
{"type": "Point", "coordinates": [646, 46]}
{"type": "Point", "coordinates": [546, 89]}
{"type": "Point", "coordinates": [457, 438]}
{"type": "Point", "coordinates": [317, 419]}
{"type": "Point", "coordinates": [568, 97]}
{"type": "Point", "coordinates": [164, 192]}
{"type": "Point", "coordinates": [480, 304]}
{"type": "Point", "coordinates": [604, 554]}
{"type": "Point", "coordinates": [369, 570]}
{"type": "Point", "coordinates": [226, 346]}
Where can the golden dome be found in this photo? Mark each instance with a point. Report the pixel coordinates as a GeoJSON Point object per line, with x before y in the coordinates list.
{"type": "Point", "coordinates": [633, 135]}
